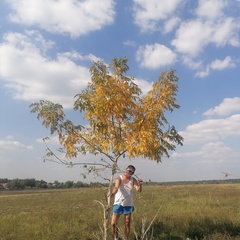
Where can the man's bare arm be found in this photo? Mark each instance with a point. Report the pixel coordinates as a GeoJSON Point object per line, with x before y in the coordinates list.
{"type": "Point", "coordinates": [138, 184]}
{"type": "Point", "coordinates": [116, 186]}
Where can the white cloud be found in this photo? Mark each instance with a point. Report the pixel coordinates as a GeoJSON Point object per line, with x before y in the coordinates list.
{"type": "Point", "coordinates": [192, 63]}
{"type": "Point", "coordinates": [212, 152]}
{"type": "Point", "coordinates": [73, 55]}
{"type": "Point", "coordinates": [130, 43]}
{"type": "Point", "coordinates": [186, 154]}
{"type": "Point", "coordinates": [217, 64]}
{"type": "Point", "coordinates": [210, 9]}
{"type": "Point", "coordinates": [73, 17]}
{"type": "Point", "coordinates": [203, 73]}
{"type": "Point", "coordinates": [192, 36]}
{"type": "Point", "coordinates": [220, 65]}
{"type": "Point", "coordinates": [35, 76]}
{"type": "Point", "coordinates": [50, 140]}
{"type": "Point", "coordinates": [155, 56]}
{"type": "Point", "coordinates": [227, 107]}
{"type": "Point", "coordinates": [225, 32]}
{"type": "Point", "coordinates": [147, 14]}
{"type": "Point", "coordinates": [211, 28]}
{"type": "Point", "coordinates": [213, 134]}
{"type": "Point", "coordinates": [170, 24]}
{"type": "Point", "coordinates": [216, 149]}
{"type": "Point", "coordinates": [144, 85]}
{"type": "Point", "coordinates": [10, 144]}
{"type": "Point", "coordinates": [212, 130]}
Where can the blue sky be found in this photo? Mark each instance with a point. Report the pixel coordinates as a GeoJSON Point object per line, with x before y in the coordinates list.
{"type": "Point", "coordinates": [46, 48]}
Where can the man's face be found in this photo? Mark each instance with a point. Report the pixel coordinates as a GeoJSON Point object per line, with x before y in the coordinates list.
{"type": "Point", "coordinates": [130, 171]}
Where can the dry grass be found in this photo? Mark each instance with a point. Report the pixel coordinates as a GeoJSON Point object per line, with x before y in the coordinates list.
{"type": "Point", "coordinates": [186, 211]}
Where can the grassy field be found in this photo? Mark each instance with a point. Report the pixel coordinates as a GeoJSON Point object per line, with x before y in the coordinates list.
{"type": "Point", "coordinates": [181, 211]}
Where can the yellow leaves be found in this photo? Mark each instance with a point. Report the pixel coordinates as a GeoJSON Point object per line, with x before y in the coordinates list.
{"type": "Point", "coordinates": [111, 105]}
{"type": "Point", "coordinates": [121, 119]}
{"type": "Point", "coordinates": [69, 142]}
{"type": "Point", "coordinates": [143, 143]}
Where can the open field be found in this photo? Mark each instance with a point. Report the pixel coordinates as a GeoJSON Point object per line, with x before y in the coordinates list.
{"type": "Point", "coordinates": [185, 211]}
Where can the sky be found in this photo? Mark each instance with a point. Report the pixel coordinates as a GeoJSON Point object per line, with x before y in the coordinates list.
{"type": "Point", "coordinates": [46, 49]}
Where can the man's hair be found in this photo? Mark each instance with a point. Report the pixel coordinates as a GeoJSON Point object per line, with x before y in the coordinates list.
{"type": "Point", "coordinates": [132, 167]}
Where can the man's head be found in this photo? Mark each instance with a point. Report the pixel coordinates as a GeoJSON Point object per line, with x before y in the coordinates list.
{"type": "Point", "coordinates": [130, 169]}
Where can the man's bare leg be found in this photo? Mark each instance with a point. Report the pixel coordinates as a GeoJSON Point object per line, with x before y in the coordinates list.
{"type": "Point", "coordinates": [127, 221]}
{"type": "Point", "coordinates": [114, 222]}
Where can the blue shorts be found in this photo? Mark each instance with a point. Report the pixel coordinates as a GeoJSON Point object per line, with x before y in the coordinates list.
{"type": "Point", "coordinates": [119, 209]}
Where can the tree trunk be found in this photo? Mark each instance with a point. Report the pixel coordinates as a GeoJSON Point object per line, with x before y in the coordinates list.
{"type": "Point", "coordinates": [107, 209]}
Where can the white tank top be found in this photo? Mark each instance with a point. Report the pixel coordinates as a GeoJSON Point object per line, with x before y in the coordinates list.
{"type": "Point", "coordinates": [124, 194]}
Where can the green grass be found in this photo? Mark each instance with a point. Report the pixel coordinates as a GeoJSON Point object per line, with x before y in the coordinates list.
{"type": "Point", "coordinates": [185, 211]}
{"type": "Point", "coordinates": [193, 211]}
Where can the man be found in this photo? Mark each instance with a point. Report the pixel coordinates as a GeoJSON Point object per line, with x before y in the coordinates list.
{"type": "Point", "coordinates": [123, 200]}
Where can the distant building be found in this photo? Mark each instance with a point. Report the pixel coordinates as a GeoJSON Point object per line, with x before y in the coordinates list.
{"type": "Point", "coordinates": [4, 185]}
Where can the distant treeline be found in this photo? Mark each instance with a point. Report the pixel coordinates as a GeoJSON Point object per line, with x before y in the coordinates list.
{"type": "Point", "coordinates": [220, 181]}
{"type": "Point", "coordinates": [31, 183]}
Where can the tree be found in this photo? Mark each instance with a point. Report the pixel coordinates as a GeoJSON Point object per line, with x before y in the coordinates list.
{"type": "Point", "coordinates": [41, 184]}
{"type": "Point", "coordinates": [16, 184]}
{"type": "Point", "coordinates": [69, 184]}
{"type": "Point", "coordinates": [29, 183]}
{"type": "Point", "coordinates": [122, 121]}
